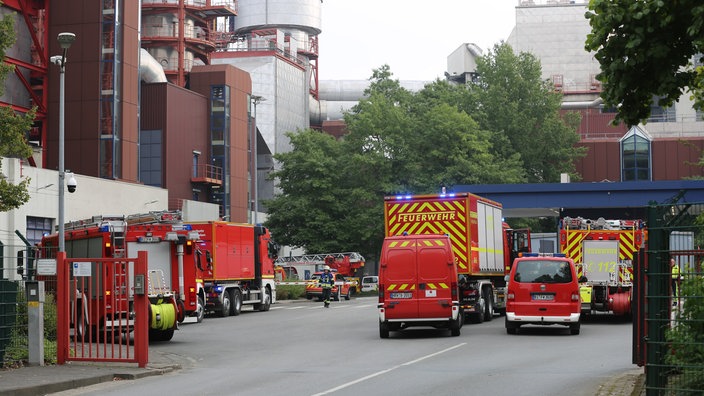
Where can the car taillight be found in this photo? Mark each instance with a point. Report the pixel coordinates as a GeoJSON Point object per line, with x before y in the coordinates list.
{"type": "Point", "coordinates": [575, 296]}
{"type": "Point", "coordinates": [381, 293]}
{"type": "Point", "coordinates": [510, 295]}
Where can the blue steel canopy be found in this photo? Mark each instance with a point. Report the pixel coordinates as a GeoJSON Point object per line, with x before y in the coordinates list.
{"type": "Point", "coordinates": [606, 199]}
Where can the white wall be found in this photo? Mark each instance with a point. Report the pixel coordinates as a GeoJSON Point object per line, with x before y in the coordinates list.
{"type": "Point", "coordinates": [93, 196]}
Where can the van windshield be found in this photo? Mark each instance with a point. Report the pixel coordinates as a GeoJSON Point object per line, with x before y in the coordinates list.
{"type": "Point", "coordinates": [539, 271]}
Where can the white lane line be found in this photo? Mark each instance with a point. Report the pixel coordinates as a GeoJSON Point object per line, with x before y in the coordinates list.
{"type": "Point", "coordinates": [378, 373]}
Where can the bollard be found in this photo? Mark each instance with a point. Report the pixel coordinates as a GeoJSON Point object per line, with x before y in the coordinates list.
{"type": "Point", "coordinates": [35, 319]}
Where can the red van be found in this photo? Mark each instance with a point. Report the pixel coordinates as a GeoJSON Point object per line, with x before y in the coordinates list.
{"type": "Point", "coordinates": [543, 290]}
{"type": "Point", "coordinates": [418, 284]}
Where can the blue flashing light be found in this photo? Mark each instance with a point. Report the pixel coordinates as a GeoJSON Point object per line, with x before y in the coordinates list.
{"type": "Point", "coordinates": [408, 197]}
{"type": "Point", "coordinates": [188, 227]}
{"type": "Point", "coordinates": [399, 197]}
{"type": "Point", "coordinates": [104, 228]}
{"type": "Point", "coordinates": [218, 289]}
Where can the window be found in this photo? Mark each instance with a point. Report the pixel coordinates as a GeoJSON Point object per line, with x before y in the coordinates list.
{"type": "Point", "coordinates": [661, 114]}
{"type": "Point", "coordinates": [37, 227]}
{"type": "Point", "coordinates": [150, 159]}
{"type": "Point", "coordinates": [635, 156]}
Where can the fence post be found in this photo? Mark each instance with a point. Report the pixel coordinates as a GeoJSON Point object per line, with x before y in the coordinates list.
{"type": "Point", "coordinates": [658, 301]}
{"type": "Point", "coordinates": [62, 308]}
{"type": "Point", "coordinates": [141, 307]}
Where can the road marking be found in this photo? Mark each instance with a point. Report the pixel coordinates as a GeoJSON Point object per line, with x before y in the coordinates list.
{"type": "Point", "coordinates": [378, 373]}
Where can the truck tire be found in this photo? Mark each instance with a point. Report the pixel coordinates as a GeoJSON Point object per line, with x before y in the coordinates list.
{"type": "Point", "coordinates": [264, 306]}
{"type": "Point", "coordinates": [488, 305]}
{"type": "Point", "coordinates": [383, 330]}
{"type": "Point", "coordinates": [200, 310]}
{"type": "Point", "coordinates": [236, 302]}
{"type": "Point", "coordinates": [226, 305]}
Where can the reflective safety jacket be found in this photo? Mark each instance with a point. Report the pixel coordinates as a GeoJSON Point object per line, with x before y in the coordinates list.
{"type": "Point", "coordinates": [675, 271]}
{"type": "Point", "coordinates": [327, 280]}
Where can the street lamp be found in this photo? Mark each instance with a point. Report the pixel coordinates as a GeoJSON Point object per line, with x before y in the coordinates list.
{"type": "Point", "coordinates": [65, 40]}
{"type": "Point", "coordinates": [256, 99]}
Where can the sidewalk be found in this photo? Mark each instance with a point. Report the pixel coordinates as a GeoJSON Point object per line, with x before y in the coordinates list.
{"type": "Point", "coordinates": [41, 380]}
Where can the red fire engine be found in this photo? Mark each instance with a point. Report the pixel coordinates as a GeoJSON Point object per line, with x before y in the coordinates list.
{"type": "Point", "coordinates": [603, 252]}
{"type": "Point", "coordinates": [105, 299]}
{"type": "Point", "coordinates": [237, 263]}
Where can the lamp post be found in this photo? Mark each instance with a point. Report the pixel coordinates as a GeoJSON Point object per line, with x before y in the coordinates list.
{"type": "Point", "coordinates": [65, 40]}
{"type": "Point", "coordinates": [256, 99]}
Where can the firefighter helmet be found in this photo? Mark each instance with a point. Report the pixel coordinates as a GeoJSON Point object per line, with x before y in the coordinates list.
{"type": "Point", "coordinates": [326, 268]}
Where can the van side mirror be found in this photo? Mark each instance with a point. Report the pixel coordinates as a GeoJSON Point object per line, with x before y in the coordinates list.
{"type": "Point", "coordinates": [506, 278]}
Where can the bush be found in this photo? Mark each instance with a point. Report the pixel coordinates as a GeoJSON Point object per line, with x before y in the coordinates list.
{"type": "Point", "coordinates": [17, 352]}
{"type": "Point", "coordinates": [290, 292]}
{"type": "Point", "coordinates": [686, 337]}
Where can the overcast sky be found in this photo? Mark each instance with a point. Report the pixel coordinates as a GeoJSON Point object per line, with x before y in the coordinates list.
{"type": "Point", "coordinates": [414, 37]}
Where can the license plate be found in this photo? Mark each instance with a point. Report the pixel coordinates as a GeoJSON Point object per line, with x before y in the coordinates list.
{"type": "Point", "coordinates": [401, 295]}
{"type": "Point", "coordinates": [543, 297]}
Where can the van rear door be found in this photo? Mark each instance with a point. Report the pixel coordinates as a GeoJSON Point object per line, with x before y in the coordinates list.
{"type": "Point", "coordinates": [435, 278]}
{"type": "Point", "coordinates": [399, 274]}
{"type": "Point", "coordinates": [418, 277]}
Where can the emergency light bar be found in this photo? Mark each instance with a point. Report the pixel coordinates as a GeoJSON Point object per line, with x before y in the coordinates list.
{"type": "Point", "coordinates": [533, 254]}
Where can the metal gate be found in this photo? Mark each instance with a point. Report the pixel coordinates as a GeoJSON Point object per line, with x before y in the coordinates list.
{"type": "Point", "coordinates": [669, 309]}
{"type": "Point", "coordinates": [102, 309]}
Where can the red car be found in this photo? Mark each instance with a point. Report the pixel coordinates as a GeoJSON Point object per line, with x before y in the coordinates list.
{"type": "Point", "coordinates": [543, 290]}
{"type": "Point", "coordinates": [342, 288]}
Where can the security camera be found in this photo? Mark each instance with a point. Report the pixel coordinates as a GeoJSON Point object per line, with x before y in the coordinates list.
{"type": "Point", "coordinates": [71, 182]}
{"type": "Point", "coordinates": [56, 59]}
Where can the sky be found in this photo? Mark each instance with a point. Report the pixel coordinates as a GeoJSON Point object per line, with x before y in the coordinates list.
{"type": "Point", "coordinates": [414, 37]}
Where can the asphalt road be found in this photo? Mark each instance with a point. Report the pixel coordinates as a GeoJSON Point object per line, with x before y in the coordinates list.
{"type": "Point", "coordinates": [301, 348]}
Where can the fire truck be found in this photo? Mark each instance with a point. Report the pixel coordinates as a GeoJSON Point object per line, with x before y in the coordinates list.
{"type": "Point", "coordinates": [483, 244]}
{"type": "Point", "coordinates": [603, 252]}
{"type": "Point", "coordinates": [303, 266]}
{"type": "Point", "coordinates": [237, 264]}
{"type": "Point", "coordinates": [109, 307]}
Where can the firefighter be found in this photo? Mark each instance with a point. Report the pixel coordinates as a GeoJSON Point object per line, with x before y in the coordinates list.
{"type": "Point", "coordinates": [675, 272]}
{"type": "Point", "coordinates": [327, 281]}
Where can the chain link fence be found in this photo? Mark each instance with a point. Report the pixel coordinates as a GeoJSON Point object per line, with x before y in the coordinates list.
{"type": "Point", "coordinates": [670, 331]}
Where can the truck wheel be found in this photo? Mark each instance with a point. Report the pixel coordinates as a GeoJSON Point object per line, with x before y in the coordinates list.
{"type": "Point", "coordinates": [267, 301]}
{"type": "Point", "coordinates": [488, 305]}
{"type": "Point", "coordinates": [383, 330]}
{"type": "Point", "coordinates": [226, 305]}
{"type": "Point", "coordinates": [200, 310]}
{"type": "Point", "coordinates": [236, 302]}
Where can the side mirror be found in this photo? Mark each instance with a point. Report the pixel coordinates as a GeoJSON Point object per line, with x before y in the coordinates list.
{"type": "Point", "coordinates": [507, 277]}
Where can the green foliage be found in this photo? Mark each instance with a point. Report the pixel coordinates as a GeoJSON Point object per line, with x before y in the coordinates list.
{"type": "Point", "coordinates": [505, 130]}
{"type": "Point", "coordinates": [290, 292]}
{"type": "Point", "coordinates": [646, 49]}
{"type": "Point", "coordinates": [17, 352]}
{"type": "Point", "coordinates": [522, 111]}
{"type": "Point", "coordinates": [12, 128]}
{"type": "Point", "coordinates": [686, 337]}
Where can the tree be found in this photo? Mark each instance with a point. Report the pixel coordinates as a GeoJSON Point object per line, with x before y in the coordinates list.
{"type": "Point", "coordinates": [523, 112]}
{"type": "Point", "coordinates": [646, 49]}
{"type": "Point", "coordinates": [12, 128]}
